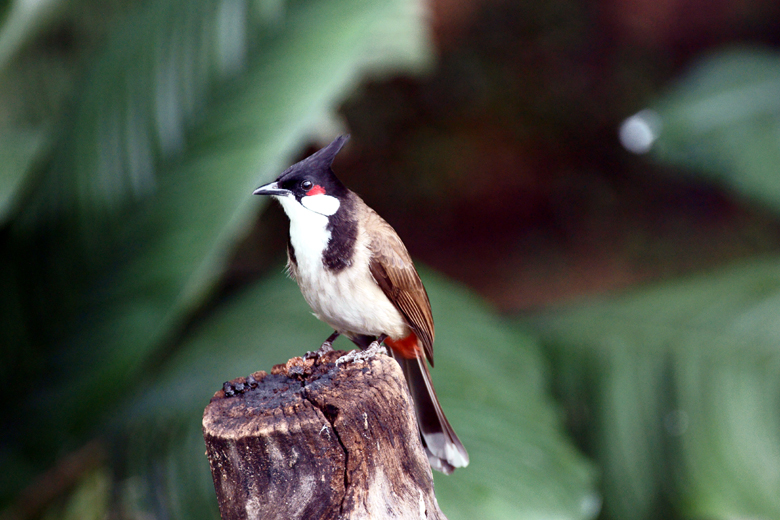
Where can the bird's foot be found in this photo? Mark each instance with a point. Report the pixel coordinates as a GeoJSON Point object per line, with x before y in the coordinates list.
{"type": "Point", "coordinates": [373, 349]}
{"type": "Point", "coordinates": [326, 347]}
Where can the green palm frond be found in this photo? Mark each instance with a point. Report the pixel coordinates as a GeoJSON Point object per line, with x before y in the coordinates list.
{"type": "Point", "coordinates": [123, 229]}
{"type": "Point", "coordinates": [680, 384]}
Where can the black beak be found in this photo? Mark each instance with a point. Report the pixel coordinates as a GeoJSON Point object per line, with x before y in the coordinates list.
{"type": "Point", "coordinates": [272, 188]}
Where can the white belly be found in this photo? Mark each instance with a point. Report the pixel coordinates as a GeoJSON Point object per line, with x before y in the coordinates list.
{"type": "Point", "coordinates": [350, 301]}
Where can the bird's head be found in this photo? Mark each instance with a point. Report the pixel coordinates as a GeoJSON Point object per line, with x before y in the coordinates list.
{"type": "Point", "coordinates": [310, 184]}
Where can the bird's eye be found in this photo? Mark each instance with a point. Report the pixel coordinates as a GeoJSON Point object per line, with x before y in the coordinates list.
{"type": "Point", "coordinates": [306, 185]}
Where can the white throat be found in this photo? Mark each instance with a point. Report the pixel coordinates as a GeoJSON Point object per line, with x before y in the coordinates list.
{"type": "Point", "coordinates": [309, 234]}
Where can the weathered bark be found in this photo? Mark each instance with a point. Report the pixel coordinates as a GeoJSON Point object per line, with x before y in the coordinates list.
{"type": "Point", "coordinates": [317, 440]}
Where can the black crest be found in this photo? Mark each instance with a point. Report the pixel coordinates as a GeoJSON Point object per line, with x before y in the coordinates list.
{"type": "Point", "coordinates": [323, 158]}
{"type": "Point", "coordinates": [316, 168]}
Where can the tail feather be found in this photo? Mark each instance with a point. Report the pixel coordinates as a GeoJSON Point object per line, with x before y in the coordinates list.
{"type": "Point", "coordinates": [444, 449]}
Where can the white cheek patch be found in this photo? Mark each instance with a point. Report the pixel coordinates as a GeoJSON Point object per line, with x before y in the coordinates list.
{"type": "Point", "coordinates": [322, 204]}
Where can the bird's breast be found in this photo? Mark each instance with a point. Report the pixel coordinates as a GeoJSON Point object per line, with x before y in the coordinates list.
{"type": "Point", "coordinates": [348, 299]}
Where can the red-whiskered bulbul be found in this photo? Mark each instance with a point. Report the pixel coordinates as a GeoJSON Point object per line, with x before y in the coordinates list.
{"type": "Point", "coordinates": [357, 276]}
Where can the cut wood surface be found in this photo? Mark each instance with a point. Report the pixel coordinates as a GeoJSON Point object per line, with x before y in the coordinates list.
{"type": "Point", "coordinates": [317, 440]}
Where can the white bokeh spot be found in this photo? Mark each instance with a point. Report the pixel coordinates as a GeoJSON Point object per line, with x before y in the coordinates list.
{"type": "Point", "coordinates": [638, 133]}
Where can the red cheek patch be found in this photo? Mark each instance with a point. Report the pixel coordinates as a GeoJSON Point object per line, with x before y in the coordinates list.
{"type": "Point", "coordinates": [316, 190]}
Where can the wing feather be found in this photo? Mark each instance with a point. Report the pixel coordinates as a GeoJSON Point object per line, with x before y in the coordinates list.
{"type": "Point", "coordinates": [392, 268]}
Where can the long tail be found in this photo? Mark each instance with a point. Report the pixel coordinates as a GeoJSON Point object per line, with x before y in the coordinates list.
{"type": "Point", "coordinates": [444, 449]}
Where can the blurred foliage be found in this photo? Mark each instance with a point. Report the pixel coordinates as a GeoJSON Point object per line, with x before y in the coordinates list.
{"type": "Point", "coordinates": [131, 136]}
{"type": "Point", "coordinates": [674, 389]}
{"type": "Point", "coordinates": [722, 120]}
{"type": "Point", "coordinates": [122, 230]}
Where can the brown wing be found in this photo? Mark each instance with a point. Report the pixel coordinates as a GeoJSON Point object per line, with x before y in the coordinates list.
{"type": "Point", "coordinates": [392, 268]}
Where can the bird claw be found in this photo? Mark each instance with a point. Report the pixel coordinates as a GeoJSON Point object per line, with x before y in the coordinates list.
{"type": "Point", "coordinates": [326, 347]}
{"type": "Point", "coordinates": [373, 349]}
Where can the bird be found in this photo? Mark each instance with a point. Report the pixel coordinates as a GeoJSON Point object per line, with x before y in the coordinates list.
{"type": "Point", "coordinates": [357, 276]}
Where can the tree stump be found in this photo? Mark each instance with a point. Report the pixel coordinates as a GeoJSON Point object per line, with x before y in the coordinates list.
{"type": "Point", "coordinates": [319, 440]}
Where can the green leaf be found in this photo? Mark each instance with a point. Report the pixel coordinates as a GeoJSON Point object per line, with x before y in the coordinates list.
{"type": "Point", "coordinates": [721, 120]}
{"type": "Point", "coordinates": [490, 379]}
{"type": "Point", "coordinates": [21, 20]}
{"type": "Point", "coordinates": [191, 105]}
{"type": "Point", "coordinates": [36, 83]}
{"type": "Point", "coordinates": [18, 150]}
{"type": "Point", "coordinates": [674, 389]}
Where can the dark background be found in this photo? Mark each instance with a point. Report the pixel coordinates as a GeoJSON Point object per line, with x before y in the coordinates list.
{"type": "Point", "coordinates": [502, 167]}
